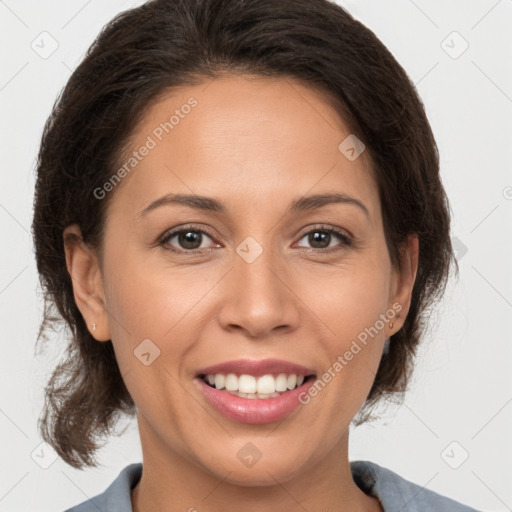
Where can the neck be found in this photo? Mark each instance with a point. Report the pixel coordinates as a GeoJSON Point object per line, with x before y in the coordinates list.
{"type": "Point", "coordinates": [171, 482]}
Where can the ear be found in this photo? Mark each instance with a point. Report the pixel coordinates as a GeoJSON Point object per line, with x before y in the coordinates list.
{"type": "Point", "coordinates": [403, 281]}
{"type": "Point", "coordinates": [84, 270]}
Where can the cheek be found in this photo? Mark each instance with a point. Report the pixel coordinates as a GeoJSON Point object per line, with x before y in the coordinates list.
{"type": "Point", "coordinates": [155, 303]}
{"type": "Point", "coordinates": [350, 297]}
{"type": "Point", "coordinates": [136, 295]}
{"type": "Point", "coordinates": [355, 309]}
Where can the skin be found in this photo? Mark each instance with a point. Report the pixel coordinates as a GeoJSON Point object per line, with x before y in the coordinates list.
{"type": "Point", "coordinates": [255, 144]}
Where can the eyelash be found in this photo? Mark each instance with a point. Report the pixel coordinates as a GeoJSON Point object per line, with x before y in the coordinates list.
{"type": "Point", "coordinates": [164, 240]}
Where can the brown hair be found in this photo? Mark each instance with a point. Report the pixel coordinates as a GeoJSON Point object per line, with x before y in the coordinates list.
{"type": "Point", "coordinates": [138, 56]}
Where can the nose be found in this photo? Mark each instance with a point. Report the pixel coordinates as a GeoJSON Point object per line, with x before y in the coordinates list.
{"type": "Point", "coordinates": [259, 298]}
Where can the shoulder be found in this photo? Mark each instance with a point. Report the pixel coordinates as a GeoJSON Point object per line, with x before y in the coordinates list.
{"type": "Point", "coordinates": [397, 493]}
{"type": "Point", "coordinates": [117, 497]}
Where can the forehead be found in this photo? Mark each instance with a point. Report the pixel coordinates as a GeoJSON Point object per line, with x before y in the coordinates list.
{"type": "Point", "coordinates": [242, 137]}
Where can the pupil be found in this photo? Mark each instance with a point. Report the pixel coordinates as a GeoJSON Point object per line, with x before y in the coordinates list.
{"type": "Point", "coordinates": [320, 236]}
{"type": "Point", "coordinates": [188, 239]}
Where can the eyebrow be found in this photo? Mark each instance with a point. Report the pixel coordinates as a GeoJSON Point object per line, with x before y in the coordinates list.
{"type": "Point", "coordinates": [209, 204]}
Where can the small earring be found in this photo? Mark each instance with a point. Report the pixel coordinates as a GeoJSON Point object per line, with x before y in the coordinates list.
{"type": "Point", "coordinates": [93, 327]}
{"type": "Point", "coordinates": [391, 325]}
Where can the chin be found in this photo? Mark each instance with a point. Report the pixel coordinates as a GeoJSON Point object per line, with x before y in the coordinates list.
{"type": "Point", "coordinates": [266, 471]}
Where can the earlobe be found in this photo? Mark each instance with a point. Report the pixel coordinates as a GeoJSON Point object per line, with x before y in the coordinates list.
{"type": "Point", "coordinates": [406, 277]}
{"type": "Point", "coordinates": [83, 268]}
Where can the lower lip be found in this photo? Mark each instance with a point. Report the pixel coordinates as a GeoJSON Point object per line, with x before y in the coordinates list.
{"type": "Point", "coordinates": [254, 410]}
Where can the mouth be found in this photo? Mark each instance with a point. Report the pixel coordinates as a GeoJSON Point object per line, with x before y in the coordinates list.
{"type": "Point", "coordinates": [250, 391]}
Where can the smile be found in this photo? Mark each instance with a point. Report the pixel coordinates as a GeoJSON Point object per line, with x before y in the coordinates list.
{"type": "Point", "coordinates": [249, 386]}
{"type": "Point", "coordinates": [250, 391]}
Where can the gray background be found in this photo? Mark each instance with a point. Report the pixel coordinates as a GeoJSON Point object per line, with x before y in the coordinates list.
{"type": "Point", "coordinates": [452, 433]}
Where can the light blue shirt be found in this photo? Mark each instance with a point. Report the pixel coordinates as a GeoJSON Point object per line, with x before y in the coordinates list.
{"type": "Point", "coordinates": [394, 492]}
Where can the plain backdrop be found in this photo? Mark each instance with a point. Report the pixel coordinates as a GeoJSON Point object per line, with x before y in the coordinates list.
{"type": "Point", "coordinates": [452, 432]}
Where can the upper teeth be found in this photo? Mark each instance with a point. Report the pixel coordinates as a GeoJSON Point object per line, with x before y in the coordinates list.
{"type": "Point", "coordinates": [266, 384]}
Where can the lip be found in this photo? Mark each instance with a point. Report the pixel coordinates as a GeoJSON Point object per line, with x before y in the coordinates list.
{"type": "Point", "coordinates": [257, 368]}
{"type": "Point", "coordinates": [253, 410]}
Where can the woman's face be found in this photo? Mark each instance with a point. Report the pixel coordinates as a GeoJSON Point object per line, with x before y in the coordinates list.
{"type": "Point", "coordinates": [259, 272]}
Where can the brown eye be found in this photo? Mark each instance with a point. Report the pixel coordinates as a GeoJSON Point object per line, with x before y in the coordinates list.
{"type": "Point", "coordinates": [322, 238]}
{"type": "Point", "coordinates": [186, 240]}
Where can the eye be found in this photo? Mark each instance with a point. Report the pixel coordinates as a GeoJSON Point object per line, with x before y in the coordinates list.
{"type": "Point", "coordinates": [187, 239]}
{"type": "Point", "coordinates": [321, 237]}
{"type": "Point", "coordinates": [194, 240]}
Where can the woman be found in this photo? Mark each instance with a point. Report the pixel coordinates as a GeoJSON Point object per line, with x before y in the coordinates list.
{"type": "Point", "coordinates": [239, 215]}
